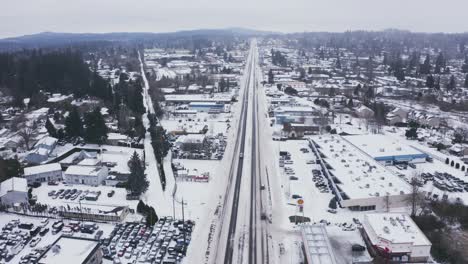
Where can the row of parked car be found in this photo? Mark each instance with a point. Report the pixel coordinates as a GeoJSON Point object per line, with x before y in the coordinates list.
{"type": "Point", "coordinates": [16, 235]}
{"type": "Point", "coordinates": [445, 181]}
{"type": "Point", "coordinates": [166, 242]}
{"type": "Point", "coordinates": [320, 181]}
{"type": "Point", "coordinates": [73, 194]}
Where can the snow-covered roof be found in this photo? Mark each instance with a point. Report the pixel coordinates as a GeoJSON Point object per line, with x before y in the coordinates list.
{"type": "Point", "coordinates": [42, 169]}
{"type": "Point", "coordinates": [360, 175]}
{"type": "Point", "coordinates": [116, 136]}
{"type": "Point", "coordinates": [377, 145]}
{"type": "Point", "coordinates": [13, 184]}
{"type": "Point", "coordinates": [70, 250]}
{"type": "Point", "coordinates": [47, 141]}
{"type": "Point", "coordinates": [83, 170]}
{"type": "Point", "coordinates": [191, 138]}
{"type": "Point", "coordinates": [394, 228]}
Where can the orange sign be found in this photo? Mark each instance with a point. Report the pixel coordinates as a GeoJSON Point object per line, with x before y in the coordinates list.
{"type": "Point", "coordinates": [300, 202]}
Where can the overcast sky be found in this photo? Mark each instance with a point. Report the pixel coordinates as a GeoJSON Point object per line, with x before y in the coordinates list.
{"type": "Point", "coordinates": [20, 17]}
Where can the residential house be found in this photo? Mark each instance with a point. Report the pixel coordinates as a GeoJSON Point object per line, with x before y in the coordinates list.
{"type": "Point", "coordinates": [43, 173]}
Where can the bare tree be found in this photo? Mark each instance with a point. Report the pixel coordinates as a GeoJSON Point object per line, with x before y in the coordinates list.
{"type": "Point", "coordinates": [416, 197]}
{"type": "Point", "coordinates": [26, 134]}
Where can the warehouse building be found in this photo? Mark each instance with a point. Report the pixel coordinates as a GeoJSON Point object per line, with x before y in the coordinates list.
{"type": "Point", "coordinates": [359, 182]}
{"type": "Point", "coordinates": [207, 107]}
{"type": "Point", "coordinates": [397, 237]}
{"type": "Point", "coordinates": [386, 150]}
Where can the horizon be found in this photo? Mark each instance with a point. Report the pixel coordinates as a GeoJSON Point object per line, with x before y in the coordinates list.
{"type": "Point", "coordinates": [227, 29]}
{"type": "Point", "coordinates": [86, 16]}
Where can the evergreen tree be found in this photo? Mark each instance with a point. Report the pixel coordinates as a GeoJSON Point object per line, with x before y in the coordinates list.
{"type": "Point", "coordinates": [430, 81]}
{"type": "Point", "coordinates": [440, 63]}
{"type": "Point", "coordinates": [137, 182]}
{"type": "Point", "coordinates": [151, 217]}
{"type": "Point", "coordinates": [96, 129]}
{"type": "Point", "coordinates": [466, 81]}
{"type": "Point", "coordinates": [464, 67]}
{"type": "Point", "coordinates": [425, 68]}
{"type": "Point", "coordinates": [357, 90]}
{"type": "Point", "coordinates": [271, 77]}
{"type": "Point", "coordinates": [51, 128]}
{"type": "Point", "coordinates": [73, 124]}
{"type": "Point", "coordinates": [452, 83]}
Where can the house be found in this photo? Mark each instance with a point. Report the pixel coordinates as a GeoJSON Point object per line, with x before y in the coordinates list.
{"type": "Point", "coordinates": [14, 190]}
{"type": "Point", "coordinates": [90, 175]}
{"type": "Point", "coordinates": [48, 143]}
{"type": "Point", "coordinates": [191, 142]}
{"type": "Point", "coordinates": [114, 138]}
{"type": "Point", "coordinates": [397, 236]}
{"type": "Point", "coordinates": [43, 173]}
{"type": "Point", "coordinates": [72, 250]}
{"type": "Point", "coordinates": [397, 115]}
{"type": "Point", "coordinates": [37, 156]}
{"type": "Point", "coordinates": [364, 112]}
{"type": "Point", "coordinates": [424, 119]}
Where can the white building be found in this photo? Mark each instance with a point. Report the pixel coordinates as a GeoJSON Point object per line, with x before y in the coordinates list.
{"type": "Point", "coordinates": [90, 175]}
{"type": "Point", "coordinates": [360, 182]}
{"type": "Point", "coordinates": [395, 235]}
{"type": "Point", "coordinates": [14, 190]}
{"type": "Point", "coordinates": [385, 149]}
{"type": "Point", "coordinates": [72, 250]}
{"type": "Point", "coordinates": [43, 173]}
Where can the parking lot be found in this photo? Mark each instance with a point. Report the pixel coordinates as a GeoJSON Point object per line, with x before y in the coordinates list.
{"type": "Point", "coordinates": [23, 241]}
{"type": "Point", "coordinates": [166, 242]}
{"type": "Point", "coordinates": [303, 179]}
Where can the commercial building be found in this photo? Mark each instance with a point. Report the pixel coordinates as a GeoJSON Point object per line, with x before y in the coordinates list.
{"type": "Point", "coordinates": [395, 236]}
{"type": "Point", "coordinates": [43, 173]}
{"type": "Point", "coordinates": [72, 250]}
{"type": "Point", "coordinates": [94, 212]}
{"type": "Point", "coordinates": [90, 175]}
{"type": "Point", "coordinates": [359, 182]}
{"type": "Point", "coordinates": [317, 245]}
{"type": "Point", "coordinates": [207, 107]}
{"type": "Point", "coordinates": [14, 190]}
{"type": "Point", "coordinates": [386, 150]}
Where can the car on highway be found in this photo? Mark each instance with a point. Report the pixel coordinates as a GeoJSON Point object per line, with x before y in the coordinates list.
{"type": "Point", "coordinates": [241, 155]}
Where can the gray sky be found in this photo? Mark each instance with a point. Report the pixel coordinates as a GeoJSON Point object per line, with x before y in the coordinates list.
{"type": "Point", "coordinates": [21, 17]}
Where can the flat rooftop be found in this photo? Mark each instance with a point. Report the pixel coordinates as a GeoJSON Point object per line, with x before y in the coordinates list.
{"type": "Point", "coordinates": [394, 227]}
{"type": "Point", "coordinates": [317, 244]}
{"type": "Point", "coordinates": [378, 146]}
{"type": "Point", "coordinates": [70, 250]}
{"type": "Point", "coordinates": [360, 175]}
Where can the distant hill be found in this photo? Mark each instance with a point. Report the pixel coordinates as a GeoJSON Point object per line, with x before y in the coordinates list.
{"type": "Point", "coordinates": [57, 39]}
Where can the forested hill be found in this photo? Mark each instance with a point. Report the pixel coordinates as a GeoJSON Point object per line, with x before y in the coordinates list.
{"type": "Point", "coordinates": [23, 74]}
{"type": "Point", "coordinates": [53, 39]}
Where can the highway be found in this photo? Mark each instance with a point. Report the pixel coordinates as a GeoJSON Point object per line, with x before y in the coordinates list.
{"type": "Point", "coordinates": [243, 235]}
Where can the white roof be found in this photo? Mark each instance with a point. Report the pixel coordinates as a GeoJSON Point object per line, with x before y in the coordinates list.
{"type": "Point", "coordinates": [116, 136]}
{"type": "Point", "coordinates": [13, 184]}
{"type": "Point", "coordinates": [42, 168]}
{"type": "Point", "coordinates": [191, 138]}
{"type": "Point", "coordinates": [49, 141]}
{"type": "Point", "coordinates": [377, 145]}
{"type": "Point", "coordinates": [360, 175]}
{"type": "Point", "coordinates": [83, 170]}
{"type": "Point", "coordinates": [393, 228]}
{"type": "Point", "coordinates": [70, 250]}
